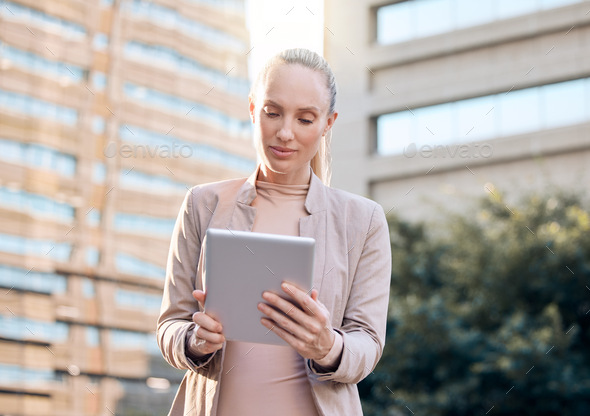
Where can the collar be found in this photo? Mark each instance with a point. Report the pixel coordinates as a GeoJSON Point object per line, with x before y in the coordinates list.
{"type": "Point", "coordinates": [315, 201]}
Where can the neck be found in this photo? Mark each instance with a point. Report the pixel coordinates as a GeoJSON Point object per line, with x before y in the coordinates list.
{"type": "Point", "coordinates": [299, 177]}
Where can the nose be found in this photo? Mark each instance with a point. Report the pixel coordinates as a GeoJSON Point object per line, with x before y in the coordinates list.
{"type": "Point", "coordinates": [285, 133]}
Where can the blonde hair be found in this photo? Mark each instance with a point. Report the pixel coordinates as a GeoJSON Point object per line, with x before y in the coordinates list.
{"type": "Point", "coordinates": [321, 163]}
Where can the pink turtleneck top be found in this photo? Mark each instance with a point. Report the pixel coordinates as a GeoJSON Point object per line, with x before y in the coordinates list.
{"type": "Point", "coordinates": [263, 379]}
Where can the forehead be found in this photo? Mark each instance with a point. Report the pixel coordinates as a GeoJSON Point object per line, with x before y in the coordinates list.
{"type": "Point", "coordinates": [293, 85]}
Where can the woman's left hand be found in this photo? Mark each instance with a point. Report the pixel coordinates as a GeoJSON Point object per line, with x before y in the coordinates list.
{"type": "Point", "coordinates": [306, 329]}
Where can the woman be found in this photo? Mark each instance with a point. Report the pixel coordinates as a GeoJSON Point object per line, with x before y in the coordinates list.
{"type": "Point", "coordinates": [337, 337]}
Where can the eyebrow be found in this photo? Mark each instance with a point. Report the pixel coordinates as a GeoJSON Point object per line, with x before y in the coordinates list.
{"type": "Point", "coordinates": [311, 107]}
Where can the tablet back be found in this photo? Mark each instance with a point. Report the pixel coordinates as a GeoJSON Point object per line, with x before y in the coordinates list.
{"type": "Point", "coordinates": [240, 265]}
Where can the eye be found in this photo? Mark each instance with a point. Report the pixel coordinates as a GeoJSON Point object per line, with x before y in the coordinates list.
{"type": "Point", "coordinates": [305, 121]}
{"type": "Point", "coordinates": [271, 115]}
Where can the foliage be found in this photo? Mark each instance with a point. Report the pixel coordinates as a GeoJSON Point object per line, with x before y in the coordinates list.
{"type": "Point", "coordinates": [492, 314]}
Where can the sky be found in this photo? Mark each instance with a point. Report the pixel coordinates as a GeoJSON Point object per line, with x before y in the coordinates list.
{"type": "Point", "coordinates": [275, 25]}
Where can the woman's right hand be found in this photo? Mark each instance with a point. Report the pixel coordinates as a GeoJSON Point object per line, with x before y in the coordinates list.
{"type": "Point", "coordinates": [207, 337]}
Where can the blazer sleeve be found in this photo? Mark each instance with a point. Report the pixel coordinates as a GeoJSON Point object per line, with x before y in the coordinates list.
{"type": "Point", "coordinates": [178, 304]}
{"type": "Point", "coordinates": [365, 316]}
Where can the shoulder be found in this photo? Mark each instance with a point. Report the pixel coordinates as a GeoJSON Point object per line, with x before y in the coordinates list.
{"type": "Point", "coordinates": [216, 190]}
{"type": "Point", "coordinates": [354, 204]}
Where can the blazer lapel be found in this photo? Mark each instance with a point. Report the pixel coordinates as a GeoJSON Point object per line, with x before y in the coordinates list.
{"type": "Point", "coordinates": [315, 226]}
{"type": "Point", "coordinates": [242, 218]}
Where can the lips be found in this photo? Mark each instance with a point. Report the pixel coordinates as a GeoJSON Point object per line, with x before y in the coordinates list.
{"type": "Point", "coordinates": [281, 152]}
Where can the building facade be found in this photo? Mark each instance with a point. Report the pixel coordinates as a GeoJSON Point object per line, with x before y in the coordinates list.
{"type": "Point", "coordinates": [109, 111]}
{"type": "Point", "coordinates": [442, 101]}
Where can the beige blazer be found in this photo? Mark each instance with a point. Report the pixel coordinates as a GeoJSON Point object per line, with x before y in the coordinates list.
{"type": "Point", "coordinates": [352, 273]}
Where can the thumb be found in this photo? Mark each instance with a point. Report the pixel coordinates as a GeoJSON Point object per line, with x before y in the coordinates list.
{"type": "Point", "coordinates": [314, 294]}
{"type": "Point", "coordinates": [200, 297]}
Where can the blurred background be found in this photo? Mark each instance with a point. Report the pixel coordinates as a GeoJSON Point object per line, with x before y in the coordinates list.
{"type": "Point", "coordinates": [468, 121]}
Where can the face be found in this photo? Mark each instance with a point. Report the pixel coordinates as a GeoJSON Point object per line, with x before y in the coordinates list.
{"type": "Point", "coordinates": [290, 116]}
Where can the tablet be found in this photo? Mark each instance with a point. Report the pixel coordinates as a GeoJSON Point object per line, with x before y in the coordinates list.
{"type": "Point", "coordinates": [240, 265]}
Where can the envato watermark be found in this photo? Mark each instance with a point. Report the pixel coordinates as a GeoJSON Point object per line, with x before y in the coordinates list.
{"type": "Point", "coordinates": [128, 150]}
{"type": "Point", "coordinates": [464, 151]}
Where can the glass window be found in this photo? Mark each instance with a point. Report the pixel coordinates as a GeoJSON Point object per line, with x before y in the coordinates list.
{"type": "Point", "coordinates": [157, 144]}
{"type": "Point", "coordinates": [38, 156]}
{"type": "Point", "coordinates": [237, 5]}
{"type": "Point", "coordinates": [92, 256]}
{"type": "Point", "coordinates": [550, 4]}
{"type": "Point", "coordinates": [511, 8]}
{"type": "Point", "coordinates": [121, 339]}
{"type": "Point", "coordinates": [564, 103]}
{"type": "Point", "coordinates": [519, 112]}
{"type": "Point", "coordinates": [174, 61]}
{"type": "Point", "coordinates": [126, 263]}
{"type": "Point", "coordinates": [99, 172]}
{"type": "Point", "coordinates": [92, 336]}
{"type": "Point", "coordinates": [434, 124]}
{"type": "Point", "coordinates": [93, 217]}
{"type": "Point", "coordinates": [432, 17]}
{"type": "Point", "coordinates": [27, 246]}
{"type": "Point", "coordinates": [143, 224]}
{"type": "Point", "coordinates": [36, 205]}
{"type": "Point", "coordinates": [39, 65]}
{"type": "Point", "coordinates": [475, 119]}
{"type": "Point", "coordinates": [183, 107]}
{"type": "Point", "coordinates": [17, 12]}
{"type": "Point", "coordinates": [16, 327]}
{"type": "Point", "coordinates": [99, 80]}
{"type": "Point", "coordinates": [498, 115]}
{"type": "Point", "coordinates": [100, 41]}
{"type": "Point", "coordinates": [14, 374]}
{"type": "Point", "coordinates": [472, 13]}
{"type": "Point", "coordinates": [394, 132]}
{"type": "Point", "coordinates": [35, 107]}
{"type": "Point", "coordinates": [407, 20]}
{"type": "Point", "coordinates": [88, 288]}
{"type": "Point", "coordinates": [394, 23]}
{"type": "Point", "coordinates": [136, 300]}
{"type": "Point", "coordinates": [170, 18]}
{"type": "Point", "coordinates": [150, 183]}
{"type": "Point", "coordinates": [98, 125]}
{"type": "Point", "coordinates": [15, 277]}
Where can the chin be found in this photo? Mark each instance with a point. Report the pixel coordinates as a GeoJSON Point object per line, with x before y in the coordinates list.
{"type": "Point", "coordinates": [279, 168]}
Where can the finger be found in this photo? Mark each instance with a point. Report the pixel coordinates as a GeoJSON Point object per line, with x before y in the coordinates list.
{"type": "Point", "coordinates": [288, 308]}
{"type": "Point", "coordinates": [211, 337]}
{"type": "Point", "coordinates": [280, 319]}
{"type": "Point", "coordinates": [315, 296]}
{"type": "Point", "coordinates": [285, 335]}
{"type": "Point", "coordinates": [209, 348]}
{"type": "Point", "coordinates": [306, 302]}
{"type": "Point", "coordinates": [207, 322]}
{"type": "Point", "coordinates": [200, 297]}
{"type": "Point", "coordinates": [206, 347]}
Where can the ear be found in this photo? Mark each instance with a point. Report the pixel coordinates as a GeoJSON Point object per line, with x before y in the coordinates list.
{"type": "Point", "coordinates": [330, 122]}
{"type": "Point", "coordinates": [251, 108]}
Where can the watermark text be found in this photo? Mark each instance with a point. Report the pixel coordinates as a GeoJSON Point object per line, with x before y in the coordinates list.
{"type": "Point", "coordinates": [129, 150]}
{"type": "Point", "coordinates": [464, 151]}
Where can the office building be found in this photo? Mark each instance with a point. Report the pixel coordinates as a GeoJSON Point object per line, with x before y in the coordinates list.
{"type": "Point", "coordinates": [109, 111]}
{"type": "Point", "coordinates": [444, 101]}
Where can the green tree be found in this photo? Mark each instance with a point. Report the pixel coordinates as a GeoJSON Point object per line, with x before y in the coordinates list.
{"type": "Point", "coordinates": [493, 313]}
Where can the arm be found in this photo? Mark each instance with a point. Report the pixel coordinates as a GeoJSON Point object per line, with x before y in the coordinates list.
{"type": "Point", "coordinates": [365, 315]}
{"type": "Point", "coordinates": [175, 324]}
